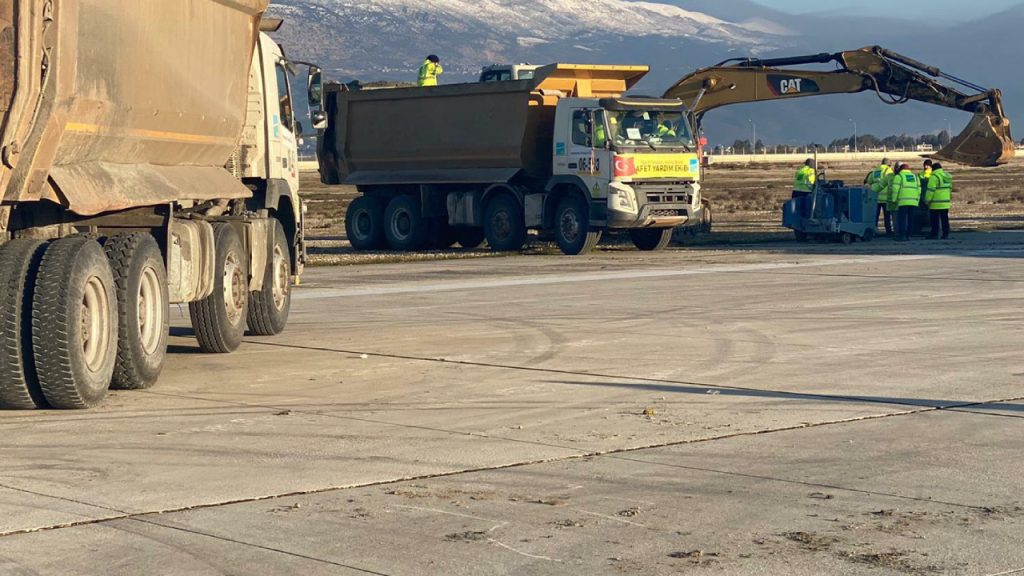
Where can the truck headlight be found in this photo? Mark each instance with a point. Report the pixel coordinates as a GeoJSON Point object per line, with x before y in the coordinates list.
{"type": "Point", "coordinates": [695, 196]}
{"type": "Point", "coordinates": [622, 198]}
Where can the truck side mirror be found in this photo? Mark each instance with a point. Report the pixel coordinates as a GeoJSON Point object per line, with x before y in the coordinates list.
{"type": "Point", "coordinates": [298, 129]}
{"type": "Point", "coordinates": [315, 87]}
{"type": "Point", "coordinates": [319, 120]}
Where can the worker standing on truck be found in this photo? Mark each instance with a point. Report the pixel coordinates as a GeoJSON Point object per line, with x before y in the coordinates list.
{"type": "Point", "coordinates": [803, 184]}
{"type": "Point", "coordinates": [878, 180]}
{"type": "Point", "coordinates": [906, 191]}
{"type": "Point", "coordinates": [939, 198]}
{"type": "Point", "coordinates": [430, 70]}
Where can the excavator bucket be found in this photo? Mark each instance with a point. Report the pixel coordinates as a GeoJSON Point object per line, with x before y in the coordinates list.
{"type": "Point", "coordinates": [985, 142]}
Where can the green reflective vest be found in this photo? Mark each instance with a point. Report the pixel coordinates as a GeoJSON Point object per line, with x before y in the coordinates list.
{"type": "Point", "coordinates": [878, 181]}
{"type": "Point", "coordinates": [906, 189]}
{"type": "Point", "coordinates": [805, 178]}
{"type": "Point", "coordinates": [886, 192]}
{"type": "Point", "coordinates": [940, 191]}
{"type": "Point", "coordinates": [429, 72]}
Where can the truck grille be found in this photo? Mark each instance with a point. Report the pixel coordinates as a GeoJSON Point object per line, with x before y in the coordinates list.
{"type": "Point", "coordinates": [664, 193]}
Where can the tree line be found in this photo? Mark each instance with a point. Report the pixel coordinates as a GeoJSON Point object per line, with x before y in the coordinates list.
{"type": "Point", "coordinates": [862, 143]}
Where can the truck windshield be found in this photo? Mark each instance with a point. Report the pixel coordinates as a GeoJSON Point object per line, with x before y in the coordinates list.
{"type": "Point", "coordinates": [635, 128]}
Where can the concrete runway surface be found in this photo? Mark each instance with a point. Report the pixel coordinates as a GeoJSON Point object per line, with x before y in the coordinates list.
{"type": "Point", "coordinates": [783, 409]}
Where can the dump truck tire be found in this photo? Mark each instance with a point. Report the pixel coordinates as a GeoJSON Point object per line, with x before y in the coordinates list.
{"type": "Point", "coordinates": [504, 224]}
{"type": "Point", "coordinates": [651, 239]}
{"type": "Point", "coordinates": [470, 238]}
{"type": "Point", "coordinates": [219, 319]}
{"type": "Point", "coordinates": [364, 224]}
{"type": "Point", "coordinates": [143, 307]}
{"type": "Point", "coordinates": [74, 324]}
{"type": "Point", "coordinates": [19, 264]}
{"type": "Point", "coordinates": [404, 228]}
{"type": "Point", "coordinates": [572, 227]}
{"type": "Point", "coordinates": [269, 308]}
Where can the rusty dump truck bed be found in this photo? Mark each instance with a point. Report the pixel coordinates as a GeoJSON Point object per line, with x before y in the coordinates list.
{"type": "Point", "coordinates": [142, 101]}
{"type": "Point", "coordinates": [462, 133]}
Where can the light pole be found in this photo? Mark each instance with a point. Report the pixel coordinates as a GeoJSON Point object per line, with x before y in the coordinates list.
{"type": "Point", "coordinates": [949, 130]}
{"type": "Point", "coordinates": [753, 135]}
{"type": "Point", "coordinates": [854, 122]}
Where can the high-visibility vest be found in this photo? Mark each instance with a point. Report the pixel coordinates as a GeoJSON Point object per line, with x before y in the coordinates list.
{"type": "Point", "coordinates": [925, 176]}
{"type": "Point", "coordinates": [906, 189]}
{"type": "Point", "coordinates": [877, 182]}
{"type": "Point", "coordinates": [940, 191]}
{"type": "Point", "coordinates": [886, 192]}
{"type": "Point", "coordinates": [805, 178]}
{"type": "Point", "coordinates": [429, 72]}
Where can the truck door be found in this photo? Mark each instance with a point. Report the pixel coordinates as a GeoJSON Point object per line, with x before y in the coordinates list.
{"type": "Point", "coordinates": [283, 137]}
{"type": "Point", "coordinates": [588, 151]}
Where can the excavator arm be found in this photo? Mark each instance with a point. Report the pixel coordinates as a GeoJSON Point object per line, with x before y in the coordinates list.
{"type": "Point", "coordinates": [896, 79]}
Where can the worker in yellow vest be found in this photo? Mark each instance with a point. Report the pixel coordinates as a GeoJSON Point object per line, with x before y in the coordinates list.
{"type": "Point", "coordinates": [906, 192]}
{"type": "Point", "coordinates": [430, 70]}
{"type": "Point", "coordinates": [803, 183]}
{"type": "Point", "coordinates": [939, 197]}
{"type": "Point", "coordinates": [878, 181]}
{"type": "Point", "coordinates": [921, 216]}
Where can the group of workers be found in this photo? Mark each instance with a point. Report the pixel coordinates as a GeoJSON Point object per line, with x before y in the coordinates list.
{"type": "Point", "coordinates": [901, 193]}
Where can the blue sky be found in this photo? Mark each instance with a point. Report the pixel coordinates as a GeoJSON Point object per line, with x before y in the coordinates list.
{"type": "Point", "coordinates": [950, 9]}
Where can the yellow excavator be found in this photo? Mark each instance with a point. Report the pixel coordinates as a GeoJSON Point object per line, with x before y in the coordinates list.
{"type": "Point", "coordinates": [896, 79]}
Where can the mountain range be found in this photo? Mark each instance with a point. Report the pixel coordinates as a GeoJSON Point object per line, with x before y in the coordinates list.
{"type": "Point", "coordinates": [388, 39]}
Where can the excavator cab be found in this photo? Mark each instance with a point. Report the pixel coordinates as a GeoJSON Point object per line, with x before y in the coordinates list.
{"type": "Point", "coordinates": [895, 78]}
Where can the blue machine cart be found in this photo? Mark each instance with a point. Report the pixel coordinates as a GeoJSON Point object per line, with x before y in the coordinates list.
{"type": "Point", "coordinates": [833, 211]}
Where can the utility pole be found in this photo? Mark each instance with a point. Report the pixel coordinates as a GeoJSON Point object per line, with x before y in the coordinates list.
{"type": "Point", "coordinates": [854, 135]}
{"type": "Point", "coordinates": [753, 136]}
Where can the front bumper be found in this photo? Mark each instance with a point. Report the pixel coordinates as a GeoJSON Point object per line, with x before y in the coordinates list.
{"type": "Point", "coordinates": [658, 205]}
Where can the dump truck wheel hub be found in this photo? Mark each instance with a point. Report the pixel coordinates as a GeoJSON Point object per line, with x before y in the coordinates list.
{"type": "Point", "coordinates": [95, 324]}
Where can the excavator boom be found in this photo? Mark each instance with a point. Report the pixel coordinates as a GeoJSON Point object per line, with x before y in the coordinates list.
{"type": "Point", "coordinates": [896, 79]}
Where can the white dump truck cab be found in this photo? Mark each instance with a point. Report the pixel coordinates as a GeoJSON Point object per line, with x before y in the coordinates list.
{"type": "Point", "coordinates": [637, 158]}
{"type": "Point", "coordinates": [508, 72]}
{"type": "Point", "coordinates": [266, 158]}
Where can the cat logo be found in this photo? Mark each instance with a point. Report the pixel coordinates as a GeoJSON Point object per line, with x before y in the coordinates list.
{"type": "Point", "coordinates": [791, 85]}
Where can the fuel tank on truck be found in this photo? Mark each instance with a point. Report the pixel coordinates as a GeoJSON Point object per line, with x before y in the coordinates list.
{"type": "Point", "coordinates": [461, 133]}
{"type": "Point", "coordinates": [123, 103]}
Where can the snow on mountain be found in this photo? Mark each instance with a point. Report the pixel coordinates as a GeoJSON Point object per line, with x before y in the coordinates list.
{"type": "Point", "coordinates": [362, 38]}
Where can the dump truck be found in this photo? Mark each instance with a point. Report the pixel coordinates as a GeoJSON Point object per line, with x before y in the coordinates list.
{"type": "Point", "coordinates": [147, 157]}
{"type": "Point", "coordinates": [564, 152]}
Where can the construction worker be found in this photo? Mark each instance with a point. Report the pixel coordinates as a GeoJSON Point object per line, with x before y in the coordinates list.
{"type": "Point", "coordinates": [906, 191]}
{"type": "Point", "coordinates": [878, 181]}
{"type": "Point", "coordinates": [939, 198]}
{"type": "Point", "coordinates": [665, 129]}
{"type": "Point", "coordinates": [921, 216]}
{"type": "Point", "coordinates": [430, 70]}
{"type": "Point", "coordinates": [803, 183]}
